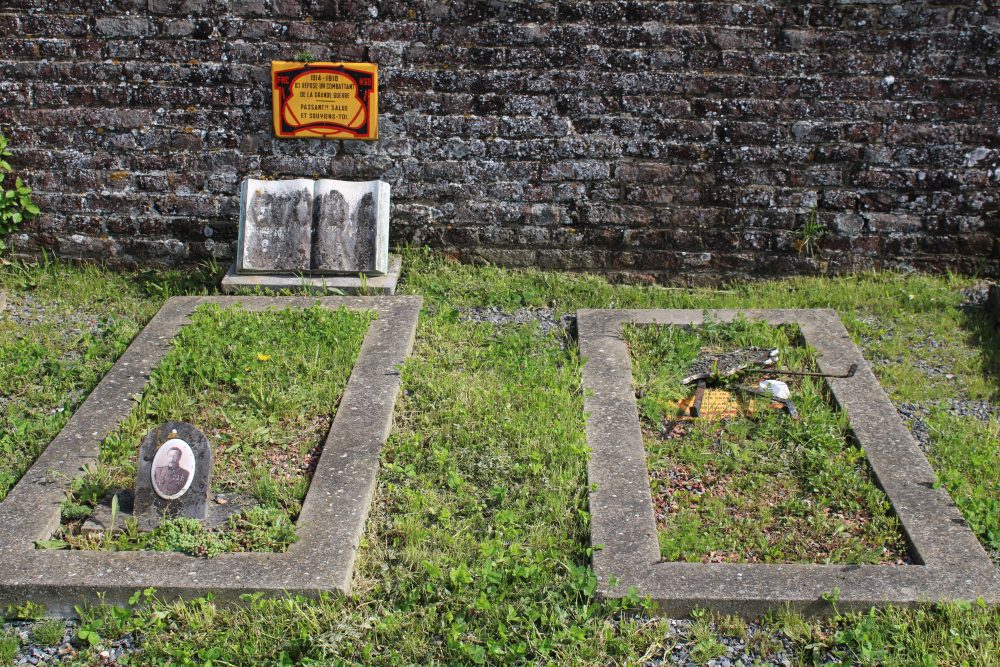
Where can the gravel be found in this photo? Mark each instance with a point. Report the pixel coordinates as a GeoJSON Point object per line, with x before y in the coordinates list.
{"type": "Point", "coordinates": [26, 310]}
{"type": "Point", "coordinates": [914, 416]}
{"type": "Point", "coordinates": [109, 653]}
{"type": "Point", "coordinates": [933, 370]}
{"type": "Point", "coordinates": [981, 410]}
{"type": "Point", "coordinates": [975, 296]}
{"type": "Point", "coordinates": [545, 317]}
{"type": "Point", "coordinates": [740, 652]}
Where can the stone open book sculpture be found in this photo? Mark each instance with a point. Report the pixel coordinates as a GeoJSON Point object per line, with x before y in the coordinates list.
{"type": "Point", "coordinates": [313, 227]}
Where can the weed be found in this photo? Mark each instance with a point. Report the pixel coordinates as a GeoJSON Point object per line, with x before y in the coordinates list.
{"type": "Point", "coordinates": [49, 632]}
{"type": "Point", "coordinates": [810, 234]}
{"type": "Point", "coordinates": [15, 202]}
{"type": "Point", "coordinates": [705, 644]}
{"type": "Point", "coordinates": [27, 611]}
{"type": "Point", "coordinates": [90, 632]}
{"type": "Point", "coordinates": [731, 626]}
{"type": "Point", "coordinates": [187, 536]}
{"type": "Point", "coordinates": [9, 645]}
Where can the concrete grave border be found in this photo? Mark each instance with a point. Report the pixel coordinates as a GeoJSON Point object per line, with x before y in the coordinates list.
{"type": "Point", "coordinates": [949, 562]}
{"type": "Point", "coordinates": [333, 513]}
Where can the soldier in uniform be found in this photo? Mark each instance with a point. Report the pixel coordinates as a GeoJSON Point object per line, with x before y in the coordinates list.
{"type": "Point", "coordinates": [171, 478]}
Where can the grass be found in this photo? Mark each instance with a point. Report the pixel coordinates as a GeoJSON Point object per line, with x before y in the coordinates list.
{"type": "Point", "coordinates": [9, 644]}
{"type": "Point", "coordinates": [48, 632]}
{"type": "Point", "coordinates": [61, 329]}
{"type": "Point", "coordinates": [476, 548]}
{"type": "Point", "coordinates": [967, 458]}
{"type": "Point", "coordinates": [263, 387]}
{"type": "Point", "coordinates": [754, 488]}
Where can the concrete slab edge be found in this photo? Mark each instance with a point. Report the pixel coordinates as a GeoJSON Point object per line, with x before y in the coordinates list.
{"type": "Point", "coordinates": [952, 563]}
{"type": "Point", "coordinates": [334, 512]}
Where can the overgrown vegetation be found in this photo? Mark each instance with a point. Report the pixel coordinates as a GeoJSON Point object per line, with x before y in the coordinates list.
{"type": "Point", "coordinates": [476, 548]}
{"type": "Point", "coordinates": [760, 487]}
{"type": "Point", "coordinates": [61, 329]}
{"type": "Point", "coordinates": [15, 202]}
{"type": "Point", "coordinates": [263, 387]}
{"type": "Point", "coordinates": [810, 234]}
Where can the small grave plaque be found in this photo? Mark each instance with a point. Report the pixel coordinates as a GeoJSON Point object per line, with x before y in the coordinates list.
{"type": "Point", "coordinates": [324, 100]}
{"type": "Point", "coordinates": [173, 476]}
{"type": "Point", "coordinates": [314, 227]}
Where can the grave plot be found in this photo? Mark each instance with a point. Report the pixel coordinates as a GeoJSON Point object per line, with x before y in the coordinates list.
{"type": "Point", "coordinates": [215, 361]}
{"type": "Point", "coordinates": [261, 386]}
{"type": "Point", "coordinates": [746, 481]}
{"type": "Point", "coordinates": [768, 510]}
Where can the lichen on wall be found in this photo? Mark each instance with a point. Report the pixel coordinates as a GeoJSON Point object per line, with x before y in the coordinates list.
{"type": "Point", "coordinates": [670, 140]}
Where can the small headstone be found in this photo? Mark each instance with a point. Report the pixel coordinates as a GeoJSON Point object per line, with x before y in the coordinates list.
{"type": "Point", "coordinates": [173, 477]}
{"type": "Point", "coordinates": [314, 227]}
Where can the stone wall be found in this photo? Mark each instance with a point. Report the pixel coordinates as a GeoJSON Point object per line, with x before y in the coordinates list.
{"type": "Point", "coordinates": [684, 141]}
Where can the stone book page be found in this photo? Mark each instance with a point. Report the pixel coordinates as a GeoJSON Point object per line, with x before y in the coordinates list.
{"type": "Point", "coordinates": [275, 225]}
{"type": "Point", "coordinates": [314, 227]}
{"type": "Point", "coordinates": [349, 236]}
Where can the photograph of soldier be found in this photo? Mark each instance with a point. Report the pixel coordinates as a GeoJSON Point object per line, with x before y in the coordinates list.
{"type": "Point", "coordinates": [171, 477]}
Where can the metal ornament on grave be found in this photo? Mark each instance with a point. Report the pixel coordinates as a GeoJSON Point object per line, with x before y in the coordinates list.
{"type": "Point", "coordinates": [173, 475]}
{"type": "Point", "coordinates": [728, 364]}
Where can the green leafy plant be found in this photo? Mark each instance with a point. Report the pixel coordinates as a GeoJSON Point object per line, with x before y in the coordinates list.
{"type": "Point", "coordinates": [15, 203]}
{"type": "Point", "coordinates": [303, 55]}
{"type": "Point", "coordinates": [29, 611]}
{"type": "Point", "coordinates": [90, 632]}
{"type": "Point", "coordinates": [810, 234]}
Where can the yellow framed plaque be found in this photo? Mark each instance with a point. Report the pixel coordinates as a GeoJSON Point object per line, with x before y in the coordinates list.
{"type": "Point", "coordinates": [324, 100]}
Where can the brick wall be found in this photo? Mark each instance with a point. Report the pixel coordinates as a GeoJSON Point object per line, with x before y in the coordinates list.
{"type": "Point", "coordinates": [675, 140]}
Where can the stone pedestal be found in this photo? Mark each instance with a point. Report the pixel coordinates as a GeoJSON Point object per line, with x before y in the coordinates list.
{"type": "Point", "coordinates": [233, 282]}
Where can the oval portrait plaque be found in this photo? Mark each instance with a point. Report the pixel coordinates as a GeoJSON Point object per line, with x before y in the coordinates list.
{"type": "Point", "coordinates": [173, 469]}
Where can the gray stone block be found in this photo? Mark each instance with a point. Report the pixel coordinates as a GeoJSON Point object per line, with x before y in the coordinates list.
{"type": "Point", "coordinates": [949, 562]}
{"type": "Point", "coordinates": [352, 227]}
{"type": "Point", "coordinates": [173, 475]}
{"type": "Point", "coordinates": [233, 282]}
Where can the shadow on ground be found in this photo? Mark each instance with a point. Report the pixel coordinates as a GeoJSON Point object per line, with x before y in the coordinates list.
{"type": "Point", "coordinates": [984, 328]}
